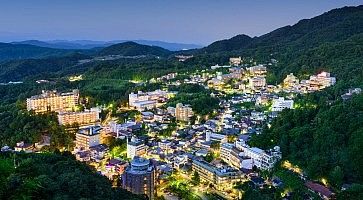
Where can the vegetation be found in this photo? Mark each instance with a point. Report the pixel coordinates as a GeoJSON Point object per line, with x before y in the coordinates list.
{"type": "Point", "coordinates": [197, 96]}
{"type": "Point", "coordinates": [53, 176]}
{"type": "Point", "coordinates": [324, 140]}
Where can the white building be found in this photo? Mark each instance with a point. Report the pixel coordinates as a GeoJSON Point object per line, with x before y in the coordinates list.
{"type": "Point", "coordinates": [281, 104]}
{"type": "Point", "coordinates": [135, 147]}
{"type": "Point", "coordinates": [146, 100]}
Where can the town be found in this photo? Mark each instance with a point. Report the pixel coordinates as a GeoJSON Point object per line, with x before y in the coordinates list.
{"type": "Point", "coordinates": [161, 146]}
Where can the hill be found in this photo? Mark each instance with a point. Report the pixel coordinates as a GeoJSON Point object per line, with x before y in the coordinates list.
{"type": "Point", "coordinates": [134, 49]}
{"type": "Point", "coordinates": [24, 51]}
{"type": "Point", "coordinates": [331, 41]}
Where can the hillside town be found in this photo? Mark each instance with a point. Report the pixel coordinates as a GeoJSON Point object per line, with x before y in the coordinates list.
{"type": "Point", "coordinates": [163, 144]}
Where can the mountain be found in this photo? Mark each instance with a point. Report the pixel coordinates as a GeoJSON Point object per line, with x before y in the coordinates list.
{"type": "Point", "coordinates": [134, 49]}
{"type": "Point", "coordinates": [23, 51]}
{"type": "Point", "coordinates": [331, 41]}
{"type": "Point", "coordinates": [335, 25]}
{"type": "Point", "coordinates": [235, 43]}
{"type": "Point", "coordinates": [89, 44]}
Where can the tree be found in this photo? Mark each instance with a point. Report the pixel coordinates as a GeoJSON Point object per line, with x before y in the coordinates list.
{"type": "Point", "coordinates": [195, 178]}
{"type": "Point", "coordinates": [337, 176]}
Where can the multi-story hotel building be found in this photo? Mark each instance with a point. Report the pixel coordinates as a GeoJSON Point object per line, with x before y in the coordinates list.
{"type": "Point", "coordinates": [140, 178]}
{"type": "Point", "coordinates": [183, 112]}
{"type": "Point", "coordinates": [53, 101]}
{"type": "Point", "coordinates": [88, 137]}
{"type": "Point", "coordinates": [86, 117]}
{"type": "Point", "coordinates": [221, 178]}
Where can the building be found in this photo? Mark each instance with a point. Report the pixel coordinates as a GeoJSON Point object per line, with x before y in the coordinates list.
{"type": "Point", "coordinates": [258, 70]}
{"type": "Point", "coordinates": [264, 160]}
{"type": "Point", "coordinates": [147, 100]}
{"type": "Point", "coordinates": [226, 151]}
{"type": "Point", "coordinates": [291, 81]}
{"type": "Point", "coordinates": [183, 112]}
{"type": "Point", "coordinates": [81, 118]}
{"type": "Point", "coordinates": [140, 178]}
{"type": "Point", "coordinates": [88, 137]}
{"type": "Point", "coordinates": [257, 83]}
{"type": "Point", "coordinates": [320, 81]}
{"type": "Point", "coordinates": [135, 147]}
{"type": "Point", "coordinates": [221, 178]}
{"type": "Point", "coordinates": [53, 101]}
{"type": "Point", "coordinates": [281, 104]}
{"type": "Point", "coordinates": [235, 61]}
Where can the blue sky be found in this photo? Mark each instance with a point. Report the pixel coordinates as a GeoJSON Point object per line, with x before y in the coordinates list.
{"type": "Point", "coordinates": [187, 21]}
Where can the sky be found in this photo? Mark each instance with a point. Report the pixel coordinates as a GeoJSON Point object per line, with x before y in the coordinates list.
{"type": "Point", "coordinates": [187, 21]}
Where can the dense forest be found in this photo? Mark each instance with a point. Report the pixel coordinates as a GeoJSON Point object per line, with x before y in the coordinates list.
{"type": "Point", "coordinates": [54, 176]}
{"type": "Point", "coordinates": [322, 136]}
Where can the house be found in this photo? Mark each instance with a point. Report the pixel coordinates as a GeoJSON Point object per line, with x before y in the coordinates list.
{"type": "Point", "coordinates": [321, 190]}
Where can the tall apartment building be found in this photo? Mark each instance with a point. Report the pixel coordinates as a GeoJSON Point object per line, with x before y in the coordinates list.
{"type": "Point", "coordinates": [221, 178]}
{"type": "Point", "coordinates": [86, 117]}
{"type": "Point", "coordinates": [88, 137]}
{"type": "Point", "coordinates": [183, 112]}
{"type": "Point", "coordinates": [53, 101]}
{"type": "Point", "coordinates": [135, 147]}
{"type": "Point", "coordinates": [140, 178]}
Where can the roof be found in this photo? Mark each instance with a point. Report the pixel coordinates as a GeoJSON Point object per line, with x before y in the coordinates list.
{"type": "Point", "coordinates": [319, 189]}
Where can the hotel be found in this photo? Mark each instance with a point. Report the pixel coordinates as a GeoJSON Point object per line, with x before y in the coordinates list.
{"type": "Point", "coordinates": [53, 101]}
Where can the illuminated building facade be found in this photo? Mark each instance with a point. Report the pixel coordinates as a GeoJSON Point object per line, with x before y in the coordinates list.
{"type": "Point", "coordinates": [53, 101]}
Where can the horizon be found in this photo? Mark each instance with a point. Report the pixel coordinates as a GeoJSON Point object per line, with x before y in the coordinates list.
{"type": "Point", "coordinates": [173, 22]}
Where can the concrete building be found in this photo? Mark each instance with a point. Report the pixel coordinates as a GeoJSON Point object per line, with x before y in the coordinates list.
{"type": "Point", "coordinates": [257, 83]}
{"type": "Point", "coordinates": [281, 104]}
{"type": "Point", "coordinates": [290, 81]}
{"type": "Point", "coordinates": [135, 147]}
{"type": "Point", "coordinates": [81, 118]}
{"type": "Point", "coordinates": [235, 61]}
{"type": "Point", "coordinates": [258, 70]}
{"type": "Point", "coordinates": [221, 178]}
{"type": "Point", "coordinates": [226, 151]}
{"type": "Point", "coordinates": [183, 112]}
{"type": "Point", "coordinates": [140, 178]}
{"type": "Point", "coordinates": [53, 101]}
{"type": "Point", "coordinates": [147, 100]}
{"type": "Point", "coordinates": [264, 160]}
{"type": "Point", "coordinates": [320, 81]}
{"type": "Point", "coordinates": [88, 137]}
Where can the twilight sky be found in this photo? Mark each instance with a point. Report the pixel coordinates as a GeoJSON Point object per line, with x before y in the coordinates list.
{"type": "Point", "coordinates": [187, 21]}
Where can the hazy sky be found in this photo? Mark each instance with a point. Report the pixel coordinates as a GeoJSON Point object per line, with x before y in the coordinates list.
{"type": "Point", "coordinates": [188, 21]}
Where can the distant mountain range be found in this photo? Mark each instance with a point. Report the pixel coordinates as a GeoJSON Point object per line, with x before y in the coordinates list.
{"type": "Point", "coordinates": [89, 44]}
{"type": "Point", "coordinates": [331, 41]}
